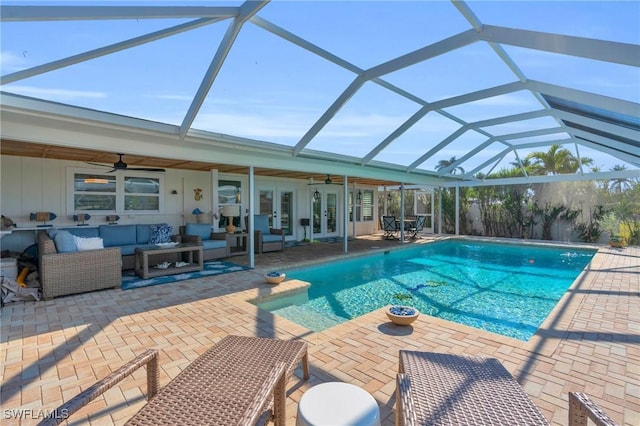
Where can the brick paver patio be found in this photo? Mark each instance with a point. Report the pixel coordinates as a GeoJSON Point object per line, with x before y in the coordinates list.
{"type": "Point", "coordinates": [52, 350]}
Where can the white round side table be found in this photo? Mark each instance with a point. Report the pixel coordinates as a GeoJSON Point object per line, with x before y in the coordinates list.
{"type": "Point", "coordinates": [337, 403]}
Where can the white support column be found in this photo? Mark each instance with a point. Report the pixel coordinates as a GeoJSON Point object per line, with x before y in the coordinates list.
{"type": "Point", "coordinates": [440, 210]}
{"type": "Point", "coordinates": [345, 215]}
{"type": "Point", "coordinates": [457, 209]}
{"type": "Point", "coordinates": [354, 200]}
{"type": "Point", "coordinates": [250, 237]}
{"type": "Point", "coordinates": [402, 213]}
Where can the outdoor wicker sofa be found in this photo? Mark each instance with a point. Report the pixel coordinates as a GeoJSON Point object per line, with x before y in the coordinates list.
{"type": "Point", "coordinates": [443, 389]}
{"type": "Point", "coordinates": [238, 381]}
{"type": "Point", "coordinates": [62, 274]}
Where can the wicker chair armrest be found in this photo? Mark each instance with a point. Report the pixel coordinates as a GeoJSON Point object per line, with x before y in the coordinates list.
{"type": "Point", "coordinates": [405, 410]}
{"type": "Point", "coordinates": [149, 358]}
{"type": "Point", "coordinates": [176, 238]}
{"type": "Point", "coordinates": [192, 239]}
{"type": "Point", "coordinates": [218, 236]}
{"type": "Point", "coordinates": [276, 231]}
{"type": "Point", "coordinates": [581, 409]}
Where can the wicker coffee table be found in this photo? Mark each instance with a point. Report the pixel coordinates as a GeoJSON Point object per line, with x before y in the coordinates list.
{"type": "Point", "coordinates": [190, 253]}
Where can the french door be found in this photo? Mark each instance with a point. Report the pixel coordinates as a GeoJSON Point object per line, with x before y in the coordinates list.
{"type": "Point", "coordinates": [278, 203]}
{"type": "Point", "coordinates": [325, 214]}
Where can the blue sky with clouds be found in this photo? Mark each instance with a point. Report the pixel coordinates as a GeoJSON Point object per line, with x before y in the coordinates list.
{"type": "Point", "coordinates": [272, 90]}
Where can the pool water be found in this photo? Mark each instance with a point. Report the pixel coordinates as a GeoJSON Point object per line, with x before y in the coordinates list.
{"type": "Point", "coordinates": [506, 289]}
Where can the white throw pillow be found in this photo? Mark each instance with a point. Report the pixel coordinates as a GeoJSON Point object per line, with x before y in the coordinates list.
{"type": "Point", "coordinates": [92, 243]}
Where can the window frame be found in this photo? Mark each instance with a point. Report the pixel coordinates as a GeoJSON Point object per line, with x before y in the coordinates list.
{"type": "Point", "coordinates": [120, 193]}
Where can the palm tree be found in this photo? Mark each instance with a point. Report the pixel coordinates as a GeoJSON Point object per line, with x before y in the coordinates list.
{"type": "Point", "coordinates": [443, 164]}
{"type": "Point", "coordinates": [556, 161]}
{"type": "Point", "coordinates": [620, 184]}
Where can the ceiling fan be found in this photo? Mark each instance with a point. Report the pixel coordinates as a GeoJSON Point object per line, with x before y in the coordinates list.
{"type": "Point", "coordinates": [121, 165]}
{"type": "Point", "coordinates": [327, 181]}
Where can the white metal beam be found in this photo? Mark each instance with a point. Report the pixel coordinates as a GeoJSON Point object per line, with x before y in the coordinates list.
{"type": "Point", "coordinates": [600, 50]}
{"type": "Point", "coordinates": [85, 13]}
{"type": "Point", "coordinates": [438, 147]}
{"type": "Point", "coordinates": [619, 106]}
{"type": "Point", "coordinates": [628, 174]}
{"type": "Point", "coordinates": [106, 50]}
{"type": "Point", "coordinates": [329, 113]}
{"type": "Point", "coordinates": [247, 9]}
{"type": "Point", "coordinates": [438, 48]}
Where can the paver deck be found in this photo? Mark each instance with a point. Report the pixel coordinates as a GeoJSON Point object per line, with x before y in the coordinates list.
{"type": "Point", "coordinates": [52, 350]}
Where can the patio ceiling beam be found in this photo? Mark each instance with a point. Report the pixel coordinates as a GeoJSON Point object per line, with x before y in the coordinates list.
{"type": "Point", "coordinates": [465, 157]}
{"type": "Point", "coordinates": [446, 141]}
{"type": "Point", "coordinates": [87, 13]}
{"type": "Point", "coordinates": [624, 152]}
{"type": "Point", "coordinates": [600, 125]}
{"type": "Point", "coordinates": [600, 50]}
{"type": "Point", "coordinates": [492, 139]}
{"type": "Point", "coordinates": [329, 113]}
{"type": "Point", "coordinates": [619, 106]}
{"type": "Point", "coordinates": [106, 50]}
{"type": "Point", "coordinates": [299, 41]}
{"type": "Point", "coordinates": [420, 55]}
{"type": "Point", "coordinates": [247, 9]}
{"type": "Point", "coordinates": [513, 148]}
{"type": "Point", "coordinates": [624, 174]}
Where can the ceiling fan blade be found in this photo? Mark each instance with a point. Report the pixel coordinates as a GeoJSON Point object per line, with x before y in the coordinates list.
{"type": "Point", "coordinates": [145, 169]}
{"type": "Point", "coordinates": [97, 164]}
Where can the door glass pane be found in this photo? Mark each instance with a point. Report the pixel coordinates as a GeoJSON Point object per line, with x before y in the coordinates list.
{"type": "Point", "coordinates": [265, 204]}
{"type": "Point", "coordinates": [332, 214]}
{"type": "Point", "coordinates": [286, 212]}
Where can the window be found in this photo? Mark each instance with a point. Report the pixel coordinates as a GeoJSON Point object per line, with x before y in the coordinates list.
{"type": "Point", "coordinates": [364, 208]}
{"type": "Point", "coordinates": [367, 205]}
{"type": "Point", "coordinates": [128, 192]}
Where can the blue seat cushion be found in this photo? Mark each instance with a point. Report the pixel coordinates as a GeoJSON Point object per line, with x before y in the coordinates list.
{"type": "Point", "coordinates": [261, 223]}
{"type": "Point", "coordinates": [82, 231]}
{"type": "Point", "coordinates": [118, 235]}
{"type": "Point", "coordinates": [129, 249]}
{"type": "Point", "coordinates": [271, 238]}
{"type": "Point", "coordinates": [213, 244]}
{"type": "Point", "coordinates": [203, 230]}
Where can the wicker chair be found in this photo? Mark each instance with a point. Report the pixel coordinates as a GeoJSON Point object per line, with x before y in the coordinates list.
{"type": "Point", "coordinates": [443, 389]}
{"type": "Point", "coordinates": [239, 381]}
{"type": "Point", "coordinates": [62, 274]}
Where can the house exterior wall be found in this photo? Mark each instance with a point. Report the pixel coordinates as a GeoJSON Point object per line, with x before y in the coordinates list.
{"type": "Point", "coordinates": [35, 184]}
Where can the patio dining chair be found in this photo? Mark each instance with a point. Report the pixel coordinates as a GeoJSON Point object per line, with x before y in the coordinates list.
{"type": "Point", "coordinates": [418, 226]}
{"type": "Point", "coordinates": [390, 227]}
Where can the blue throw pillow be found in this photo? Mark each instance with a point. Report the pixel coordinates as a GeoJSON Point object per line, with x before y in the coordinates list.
{"type": "Point", "coordinates": [65, 243]}
{"type": "Point", "coordinates": [160, 234]}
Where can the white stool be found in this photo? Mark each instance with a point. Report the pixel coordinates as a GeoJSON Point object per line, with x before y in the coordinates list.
{"type": "Point", "coordinates": [337, 403]}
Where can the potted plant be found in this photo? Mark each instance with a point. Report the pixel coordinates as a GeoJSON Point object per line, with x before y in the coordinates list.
{"type": "Point", "coordinates": [402, 315]}
{"type": "Point", "coordinates": [611, 224]}
{"type": "Point", "coordinates": [274, 277]}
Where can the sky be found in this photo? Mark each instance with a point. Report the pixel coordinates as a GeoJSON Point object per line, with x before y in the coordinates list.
{"type": "Point", "coordinates": [271, 90]}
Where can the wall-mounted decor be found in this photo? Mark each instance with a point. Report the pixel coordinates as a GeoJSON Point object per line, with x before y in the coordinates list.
{"type": "Point", "coordinates": [197, 194]}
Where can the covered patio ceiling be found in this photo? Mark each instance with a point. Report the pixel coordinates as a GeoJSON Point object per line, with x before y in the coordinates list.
{"type": "Point", "coordinates": [467, 86]}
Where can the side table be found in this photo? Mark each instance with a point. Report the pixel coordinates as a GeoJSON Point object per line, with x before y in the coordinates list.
{"type": "Point", "coordinates": [237, 243]}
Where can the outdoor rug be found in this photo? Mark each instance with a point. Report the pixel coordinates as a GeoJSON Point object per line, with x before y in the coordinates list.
{"type": "Point", "coordinates": [212, 267]}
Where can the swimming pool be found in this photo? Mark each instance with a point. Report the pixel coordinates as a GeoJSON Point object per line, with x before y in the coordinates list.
{"type": "Point", "coordinates": [507, 289]}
